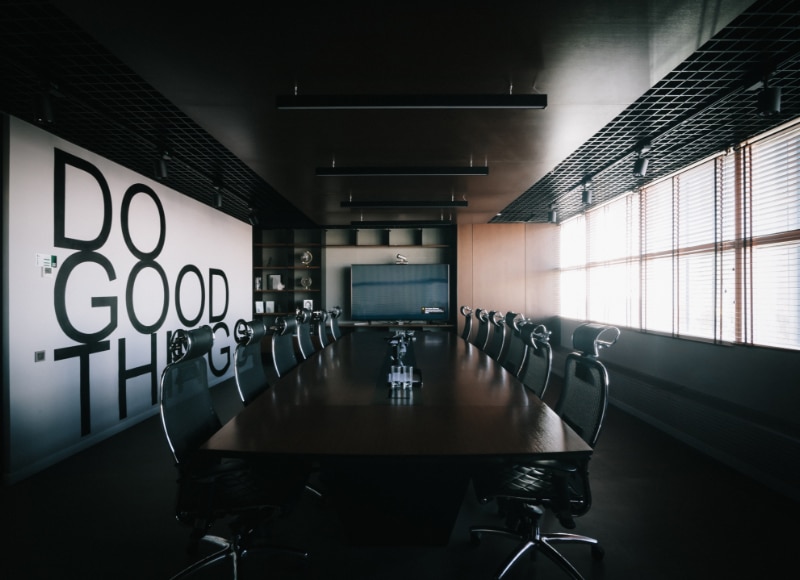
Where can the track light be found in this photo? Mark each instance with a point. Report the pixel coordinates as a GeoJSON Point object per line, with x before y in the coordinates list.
{"type": "Point", "coordinates": [640, 165]}
{"type": "Point", "coordinates": [161, 164]}
{"type": "Point", "coordinates": [769, 101]}
{"type": "Point", "coordinates": [552, 215]}
{"type": "Point", "coordinates": [44, 110]}
{"type": "Point", "coordinates": [217, 197]}
{"type": "Point", "coordinates": [252, 217]}
{"type": "Point", "coordinates": [586, 196]}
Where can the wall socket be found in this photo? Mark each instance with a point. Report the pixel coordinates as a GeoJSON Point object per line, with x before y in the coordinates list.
{"type": "Point", "coordinates": [38, 356]}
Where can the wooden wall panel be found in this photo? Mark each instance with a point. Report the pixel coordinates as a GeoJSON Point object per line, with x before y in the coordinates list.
{"type": "Point", "coordinates": [497, 262]}
{"type": "Point", "coordinates": [508, 267]}
{"type": "Point", "coordinates": [541, 267]}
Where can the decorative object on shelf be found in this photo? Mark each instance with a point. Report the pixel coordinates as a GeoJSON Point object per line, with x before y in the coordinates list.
{"type": "Point", "coordinates": [306, 257]}
{"type": "Point", "coordinates": [258, 282]}
{"type": "Point", "coordinates": [259, 307]}
{"type": "Point", "coordinates": [269, 306]}
{"type": "Point", "coordinates": [305, 282]}
{"type": "Point", "coordinates": [275, 282]}
{"type": "Point", "coordinates": [308, 305]}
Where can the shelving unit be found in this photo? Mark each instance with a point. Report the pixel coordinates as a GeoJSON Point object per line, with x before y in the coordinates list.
{"type": "Point", "coordinates": [278, 253]}
{"type": "Point", "coordinates": [279, 272]}
{"type": "Point", "coordinates": [385, 237]}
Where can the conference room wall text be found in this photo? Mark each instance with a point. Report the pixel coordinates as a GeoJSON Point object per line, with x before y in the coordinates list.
{"type": "Point", "coordinates": [102, 265]}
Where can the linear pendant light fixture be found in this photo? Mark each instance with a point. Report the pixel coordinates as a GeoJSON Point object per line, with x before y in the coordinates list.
{"type": "Point", "coordinates": [400, 171]}
{"type": "Point", "coordinates": [405, 204]}
{"type": "Point", "coordinates": [402, 223]}
{"type": "Point", "coordinates": [332, 102]}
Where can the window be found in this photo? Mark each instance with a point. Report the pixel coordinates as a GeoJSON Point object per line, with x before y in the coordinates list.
{"type": "Point", "coordinates": [711, 252]}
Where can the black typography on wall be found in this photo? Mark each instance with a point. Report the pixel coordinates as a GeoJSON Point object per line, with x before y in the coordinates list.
{"type": "Point", "coordinates": [91, 251]}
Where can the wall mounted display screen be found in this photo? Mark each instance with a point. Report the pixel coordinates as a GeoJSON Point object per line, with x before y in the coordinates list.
{"type": "Point", "coordinates": [400, 292]}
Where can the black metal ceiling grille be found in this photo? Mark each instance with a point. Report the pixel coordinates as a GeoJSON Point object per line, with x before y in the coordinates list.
{"type": "Point", "coordinates": [704, 106]}
{"type": "Point", "coordinates": [100, 104]}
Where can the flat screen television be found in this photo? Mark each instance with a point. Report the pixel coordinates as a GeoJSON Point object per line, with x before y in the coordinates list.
{"type": "Point", "coordinates": [400, 292]}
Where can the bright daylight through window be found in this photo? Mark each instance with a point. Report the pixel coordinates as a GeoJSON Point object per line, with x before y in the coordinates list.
{"type": "Point", "coordinates": [711, 252]}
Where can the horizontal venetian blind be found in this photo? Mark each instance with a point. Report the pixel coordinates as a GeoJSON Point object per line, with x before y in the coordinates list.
{"type": "Point", "coordinates": [657, 247]}
{"type": "Point", "coordinates": [695, 251]}
{"type": "Point", "coordinates": [773, 284]}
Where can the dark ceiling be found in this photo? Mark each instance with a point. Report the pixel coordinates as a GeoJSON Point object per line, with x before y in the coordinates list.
{"type": "Point", "coordinates": [127, 79]}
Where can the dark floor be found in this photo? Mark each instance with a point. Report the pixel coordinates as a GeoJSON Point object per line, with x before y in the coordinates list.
{"type": "Point", "coordinates": [661, 510]}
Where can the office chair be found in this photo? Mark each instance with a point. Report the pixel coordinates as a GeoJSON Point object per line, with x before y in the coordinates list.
{"type": "Point", "coordinates": [497, 336]}
{"type": "Point", "coordinates": [535, 373]}
{"type": "Point", "coordinates": [284, 358]}
{"type": "Point", "coordinates": [319, 322]}
{"type": "Point", "coordinates": [466, 312]}
{"type": "Point", "coordinates": [525, 490]}
{"type": "Point", "coordinates": [211, 489]}
{"type": "Point", "coordinates": [304, 343]}
{"type": "Point", "coordinates": [482, 336]}
{"type": "Point", "coordinates": [333, 323]}
{"type": "Point", "coordinates": [513, 357]}
{"type": "Point", "coordinates": [251, 380]}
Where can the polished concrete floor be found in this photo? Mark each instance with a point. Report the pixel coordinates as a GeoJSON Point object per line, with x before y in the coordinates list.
{"type": "Point", "coordinates": [661, 510]}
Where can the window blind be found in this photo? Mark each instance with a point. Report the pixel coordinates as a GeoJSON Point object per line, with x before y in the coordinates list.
{"type": "Point", "coordinates": [711, 252]}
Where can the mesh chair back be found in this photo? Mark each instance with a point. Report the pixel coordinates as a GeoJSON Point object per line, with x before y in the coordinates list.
{"type": "Point", "coordinates": [305, 345]}
{"type": "Point", "coordinates": [535, 374]}
{"type": "Point", "coordinates": [251, 380]}
{"type": "Point", "coordinates": [466, 312]}
{"type": "Point", "coordinates": [584, 396]}
{"type": "Point", "coordinates": [482, 336]}
{"type": "Point", "coordinates": [187, 411]}
{"type": "Point", "coordinates": [334, 331]}
{"type": "Point", "coordinates": [497, 335]}
{"type": "Point", "coordinates": [513, 357]}
{"type": "Point", "coordinates": [282, 345]}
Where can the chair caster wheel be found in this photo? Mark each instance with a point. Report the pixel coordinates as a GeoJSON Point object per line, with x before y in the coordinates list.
{"type": "Point", "coordinates": [475, 539]}
{"type": "Point", "coordinates": [598, 552]}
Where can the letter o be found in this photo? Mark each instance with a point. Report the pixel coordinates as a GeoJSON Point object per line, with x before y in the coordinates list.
{"type": "Point", "coordinates": [137, 324]}
{"type": "Point", "coordinates": [196, 271]}
{"type": "Point", "coordinates": [126, 233]}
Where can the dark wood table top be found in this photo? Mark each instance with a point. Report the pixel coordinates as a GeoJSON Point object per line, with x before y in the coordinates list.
{"type": "Point", "coordinates": [336, 404]}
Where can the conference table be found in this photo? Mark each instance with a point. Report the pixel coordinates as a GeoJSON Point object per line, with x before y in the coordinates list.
{"type": "Point", "coordinates": [398, 458]}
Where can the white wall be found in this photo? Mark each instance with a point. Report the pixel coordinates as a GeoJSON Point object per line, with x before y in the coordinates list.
{"type": "Point", "coordinates": [124, 278]}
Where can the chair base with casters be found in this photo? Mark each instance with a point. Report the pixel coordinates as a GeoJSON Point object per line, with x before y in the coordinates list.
{"type": "Point", "coordinates": [523, 525]}
{"type": "Point", "coordinates": [239, 490]}
{"type": "Point", "coordinates": [526, 488]}
{"type": "Point", "coordinates": [242, 541]}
